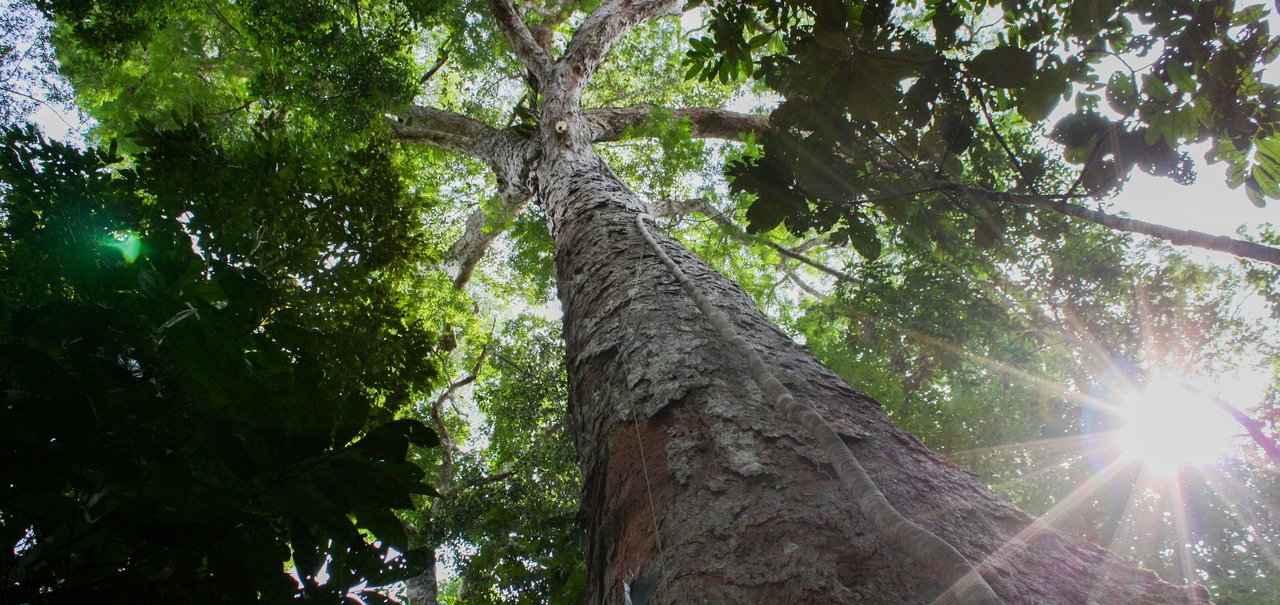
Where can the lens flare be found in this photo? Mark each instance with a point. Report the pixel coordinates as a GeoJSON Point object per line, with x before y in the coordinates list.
{"type": "Point", "coordinates": [128, 244]}
{"type": "Point", "coordinates": [1168, 425]}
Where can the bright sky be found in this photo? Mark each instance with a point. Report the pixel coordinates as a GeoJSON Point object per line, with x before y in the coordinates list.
{"type": "Point", "coordinates": [1205, 206]}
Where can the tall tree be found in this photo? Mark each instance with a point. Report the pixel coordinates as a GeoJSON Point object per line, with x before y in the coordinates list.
{"type": "Point", "coordinates": [722, 462]}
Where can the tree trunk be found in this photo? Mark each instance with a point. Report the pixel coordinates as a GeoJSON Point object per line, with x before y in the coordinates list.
{"type": "Point", "coordinates": [422, 589]}
{"type": "Point", "coordinates": [698, 491]}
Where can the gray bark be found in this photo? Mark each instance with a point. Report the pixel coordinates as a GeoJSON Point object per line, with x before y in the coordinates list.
{"type": "Point", "coordinates": [423, 589]}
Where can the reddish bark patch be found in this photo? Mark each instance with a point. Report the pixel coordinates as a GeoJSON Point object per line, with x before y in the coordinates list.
{"type": "Point", "coordinates": [638, 486]}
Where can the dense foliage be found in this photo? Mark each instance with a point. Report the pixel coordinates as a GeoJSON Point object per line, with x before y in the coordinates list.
{"type": "Point", "coordinates": [189, 401]}
{"type": "Point", "coordinates": [888, 103]}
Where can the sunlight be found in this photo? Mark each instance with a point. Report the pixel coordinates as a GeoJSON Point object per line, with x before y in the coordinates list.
{"type": "Point", "coordinates": [1169, 425]}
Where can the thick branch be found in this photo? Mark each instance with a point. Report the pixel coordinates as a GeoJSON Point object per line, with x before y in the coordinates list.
{"type": "Point", "coordinates": [481, 229]}
{"type": "Point", "coordinates": [552, 17]}
{"type": "Point", "coordinates": [610, 123]}
{"type": "Point", "coordinates": [444, 129]}
{"type": "Point", "coordinates": [503, 150]}
{"type": "Point", "coordinates": [1178, 237]}
{"type": "Point", "coordinates": [1254, 429]}
{"type": "Point", "coordinates": [603, 27]}
{"type": "Point", "coordinates": [527, 49]}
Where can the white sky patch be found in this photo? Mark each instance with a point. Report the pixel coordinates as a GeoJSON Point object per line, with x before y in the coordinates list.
{"type": "Point", "coordinates": [1207, 205]}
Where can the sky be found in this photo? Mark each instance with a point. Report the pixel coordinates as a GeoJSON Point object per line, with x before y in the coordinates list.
{"type": "Point", "coordinates": [1208, 205]}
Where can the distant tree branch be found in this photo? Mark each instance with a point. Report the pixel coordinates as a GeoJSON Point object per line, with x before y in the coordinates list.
{"type": "Point", "coordinates": [991, 123]}
{"type": "Point", "coordinates": [448, 446]}
{"type": "Point", "coordinates": [482, 228]}
{"type": "Point", "coordinates": [799, 281]}
{"type": "Point", "coordinates": [670, 208]}
{"type": "Point", "coordinates": [527, 49]}
{"type": "Point", "coordinates": [440, 61]}
{"type": "Point", "coordinates": [597, 34]}
{"type": "Point", "coordinates": [1254, 429]}
{"type": "Point", "coordinates": [610, 123]}
{"type": "Point", "coordinates": [1178, 237]}
{"type": "Point", "coordinates": [1061, 205]}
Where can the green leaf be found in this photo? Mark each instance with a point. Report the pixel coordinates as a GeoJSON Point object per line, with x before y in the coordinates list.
{"type": "Point", "coordinates": [391, 441]}
{"type": "Point", "coordinates": [1180, 78]}
{"type": "Point", "coordinates": [1122, 93]}
{"type": "Point", "coordinates": [1004, 67]}
{"type": "Point", "coordinates": [1088, 17]}
{"type": "Point", "coordinates": [1254, 193]}
{"type": "Point", "coordinates": [863, 236]}
{"type": "Point", "coordinates": [764, 215]}
{"type": "Point", "coordinates": [384, 524]}
{"type": "Point", "coordinates": [1249, 14]}
{"type": "Point", "coordinates": [1042, 95]}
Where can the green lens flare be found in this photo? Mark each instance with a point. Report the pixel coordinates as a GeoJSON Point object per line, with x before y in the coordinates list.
{"type": "Point", "coordinates": [129, 245]}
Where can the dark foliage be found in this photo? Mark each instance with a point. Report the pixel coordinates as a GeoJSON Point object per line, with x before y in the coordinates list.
{"type": "Point", "coordinates": [177, 422]}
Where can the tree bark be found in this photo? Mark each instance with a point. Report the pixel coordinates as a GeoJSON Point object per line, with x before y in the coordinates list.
{"type": "Point", "coordinates": [697, 491]}
{"type": "Point", "coordinates": [423, 588]}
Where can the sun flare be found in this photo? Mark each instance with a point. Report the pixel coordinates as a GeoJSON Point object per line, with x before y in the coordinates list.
{"type": "Point", "coordinates": [1168, 425]}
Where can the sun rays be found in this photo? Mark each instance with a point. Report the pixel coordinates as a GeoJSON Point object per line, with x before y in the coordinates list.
{"type": "Point", "coordinates": [1154, 454]}
{"type": "Point", "coordinates": [1168, 425]}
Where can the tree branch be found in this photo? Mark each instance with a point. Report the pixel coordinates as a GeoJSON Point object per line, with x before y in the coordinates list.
{"type": "Point", "coordinates": [552, 17]}
{"type": "Point", "coordinates": [448, 445]}
{"type": "Point", "coordinates": [444, 129]}
{"type": "Point", "coordinates": [604, 26]}
{"type": "Point", "coordinates": [1254, 429]}
{"type": "Point", "coordinates": [799, 281]}
{"type": "Point", "coordinates": [481, 229]}
{"type": "Point", "coordinates": [670, 207]}
{"type": "Point", "coordinates": [1177, 237]}
{"type": "Point", "coordinates": [440, 61]}
{"type": "Point", "coordinates": [501, 148]}
{"type": "Point", "coordinates": [527, 50]}
{"type": "Point", "coordinates": [610, 123]}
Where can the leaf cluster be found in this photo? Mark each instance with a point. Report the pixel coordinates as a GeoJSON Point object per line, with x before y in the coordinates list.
{"type": "Point", "coordinates": [881, 97]}
{"type": "Point", "coordinates": [515, 510]}
{"type": "Point", "coordinates": [179, 421]}
{"type": "Point", "coordinates": [332, 67]}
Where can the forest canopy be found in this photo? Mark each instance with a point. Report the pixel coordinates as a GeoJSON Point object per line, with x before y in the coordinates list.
{"type": "Point", "coordinates": [284, 324]}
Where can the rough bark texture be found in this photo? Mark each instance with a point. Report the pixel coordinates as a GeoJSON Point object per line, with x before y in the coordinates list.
{"type": "Point", "coordinates": [699, 491]}
{"type": "Point", "coordinates": [422, 589]}
{"type": "Point", "coordinates": [609, 123]}
{"type": "Point", "coordinates": [697, 488]}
